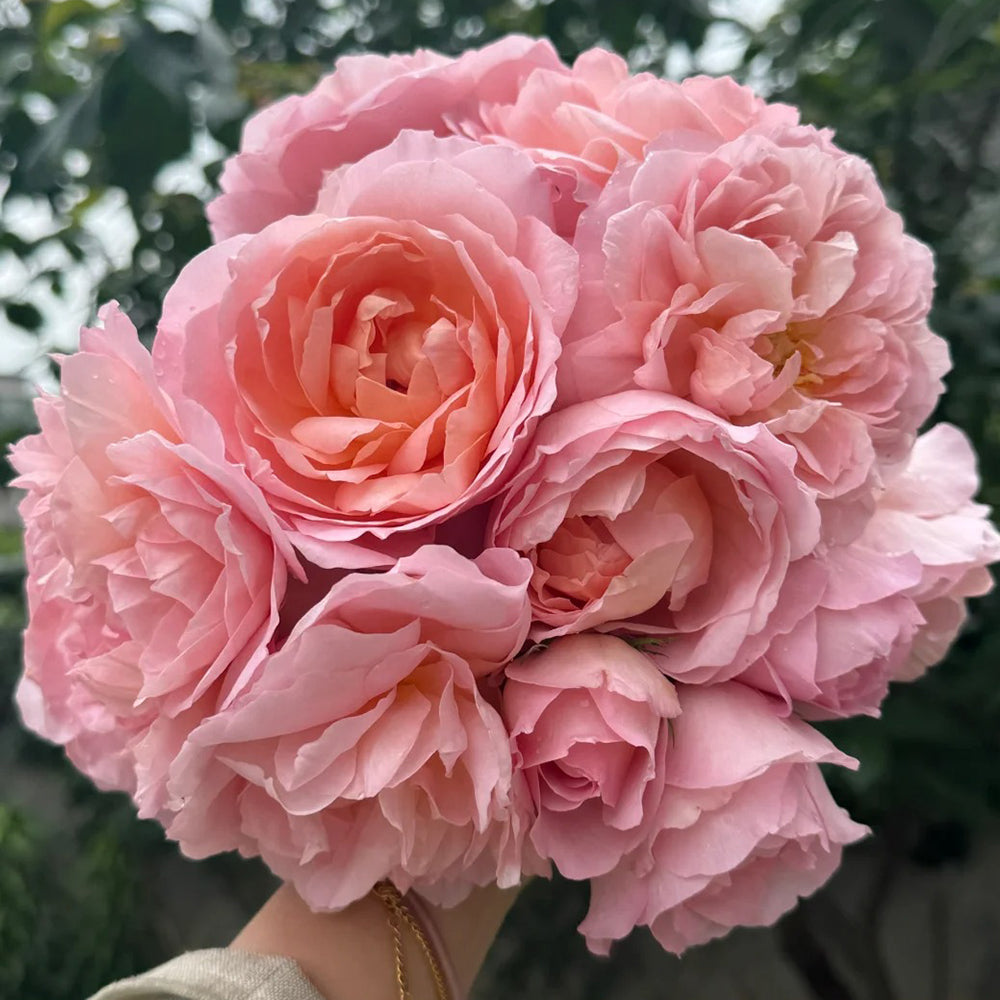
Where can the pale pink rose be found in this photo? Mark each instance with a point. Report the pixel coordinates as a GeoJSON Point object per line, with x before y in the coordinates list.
{"type": "Point", "coordinates": [843, 627]}
{"type": "Point", "coordinates": [288, 147]}
{"type": "Point", "coordinates": [928, 511]}
{"type": "Point", "coordinates": [649, 515]}
{"type": "Point", "coordinates": [584, 123]}
{"type": "Point", "coordinates": [155, 569]}
{"type": "Point", "coordinates": [743, 827]}
{"type": "Point", "coordinates": [851, 618]}
{"type": "Point", "coordinates": [364, 750]}
{"type": "Point", "coordinates": [766, 280]}
{"type": "Point", "coordinates": [382, 369]}
{"type": "Point", "coordinates": [587, 717]}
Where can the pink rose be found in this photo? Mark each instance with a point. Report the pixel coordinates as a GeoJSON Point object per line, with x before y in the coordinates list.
{"type": "Point", "coordinates": [844, 626]}
{"type": "Point", "coordinates": [928, 511]}
{"type": "Point", "coordinates": [288, 147]}
{"type": "Point", "coordinates": [744, 826]}
{"type": "Point", "coordinates": [364, 749]}
{"type": "Point", "coordinates": [155, 569]}
{"type": "Point", "coordinates": [766, 280]}
{"type": "Point", "coordinates": [587, 717]}
{"type": "Point", "coordinates": [381, 369]}
{"type": "Point", "coordinates": [584, 123]}
{"type": "Point", "coordinates": [650, 515]}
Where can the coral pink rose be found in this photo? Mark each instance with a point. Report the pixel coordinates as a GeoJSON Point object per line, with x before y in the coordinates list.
{"type": "Point", "coordinates": [844, 626]}
{"type": "Point", "coordinates": [155, 569]}
{"type": "Point", "coordinates": [383, 368]}
{"type": "Point", "coordinates": [288, 147]}
{"type": "Point", "coordinates": [587, 717]}
{"type": "Point", "coordinates": [744, 826]}
{"type": "Point", "coordinates": [766, 280]}
{"type": "Point", "coordinates": [928, 511]}
{"type": "Point", "coordinates": [650, 515]}
{"type": "Point", "coordinates": [584, 123]}
{"type": "Point", "coordinates": [364, 749]}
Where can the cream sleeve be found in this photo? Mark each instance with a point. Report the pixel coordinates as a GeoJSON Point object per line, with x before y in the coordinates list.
{"type": "Point", "coordinates": [218, 974]}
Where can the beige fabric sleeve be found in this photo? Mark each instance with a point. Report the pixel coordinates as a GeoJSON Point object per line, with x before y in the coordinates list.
{"type": "Point", "coordinates": [219, 974]}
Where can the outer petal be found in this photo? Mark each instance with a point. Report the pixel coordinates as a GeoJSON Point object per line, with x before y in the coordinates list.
{"type": "Point", "coordinates": [288, 148]}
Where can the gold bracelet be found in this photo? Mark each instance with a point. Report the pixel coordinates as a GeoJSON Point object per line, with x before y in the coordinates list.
{"type": "Point", "coordinates": [400, 914]}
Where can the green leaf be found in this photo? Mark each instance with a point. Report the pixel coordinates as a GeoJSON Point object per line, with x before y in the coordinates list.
{"type": "Point", "coordinates": [143, 127]}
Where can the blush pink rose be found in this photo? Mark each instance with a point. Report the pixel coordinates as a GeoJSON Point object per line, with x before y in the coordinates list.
{"type": "Point", "coordinates": [584, 123]}
{"type": "Point", "coordinates": [744, 826]}
{"type": "Point", "coordinates": [155, 569]}
{"type": "Point", "coordinates": [767, 280]}
{"type": "Point", "coordinates": [587, 717]}
{"type": "Point", "coordinates": [649, 515]}
{"type": "Point", "coordinates": [928, 512]}
{"type": "Point", "coordinates": [382, 366]}
{"type": "Point", "coordinates": [852, 618]}
{"type": "Point", "coordinates": [364, 749]}
{"type": "Point", "coordinates": [288, 147]}
{"type": "Point", "coordinates": [844, 626]}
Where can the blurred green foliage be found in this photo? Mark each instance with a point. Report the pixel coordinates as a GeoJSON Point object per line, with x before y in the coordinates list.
{"type": "Point", "coordinates": [96, 99]}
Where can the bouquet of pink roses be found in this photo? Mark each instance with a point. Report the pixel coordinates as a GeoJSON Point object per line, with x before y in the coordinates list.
{"type": "Point", "coordinates": [532, 454]}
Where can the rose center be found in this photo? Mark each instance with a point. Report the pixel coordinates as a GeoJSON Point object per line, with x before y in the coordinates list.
{"type": "Point", "coordinates": [388, 336]}
{"type": "Point", "coordinates": [581, 559]}
{"type": "Point", "coordinates": [781, 347]}
{"type": "Point", "coordinates": [400, 343]}
{"type": "Point", "coordinates": [568, 783]}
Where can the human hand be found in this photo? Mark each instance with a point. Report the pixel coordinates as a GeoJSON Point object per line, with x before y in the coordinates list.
{"type": "Point", "coordinates": [350, 955]}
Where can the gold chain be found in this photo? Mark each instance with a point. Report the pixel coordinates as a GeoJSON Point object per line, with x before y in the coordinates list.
{"type": "Point", "coordinates": [400, 914]}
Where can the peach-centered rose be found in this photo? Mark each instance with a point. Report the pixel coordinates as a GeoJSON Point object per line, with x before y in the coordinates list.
{"type": "Point", "coordinates": [155, 569]}
{"type": "Point", "coordinates": [650, 515]}
{"type": "Point", "coordinates": [587, 717]}
{"type": "Point", "coordinates": [364, 750]}
{"type": "Point", "coordinates": [380, 366]}
{"type": "Point", "coordinates": [764, 279]}
{"type": "Point", "coordinates": [745, 825]}
{"type": "Point", "coordinates": [288, 147]}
